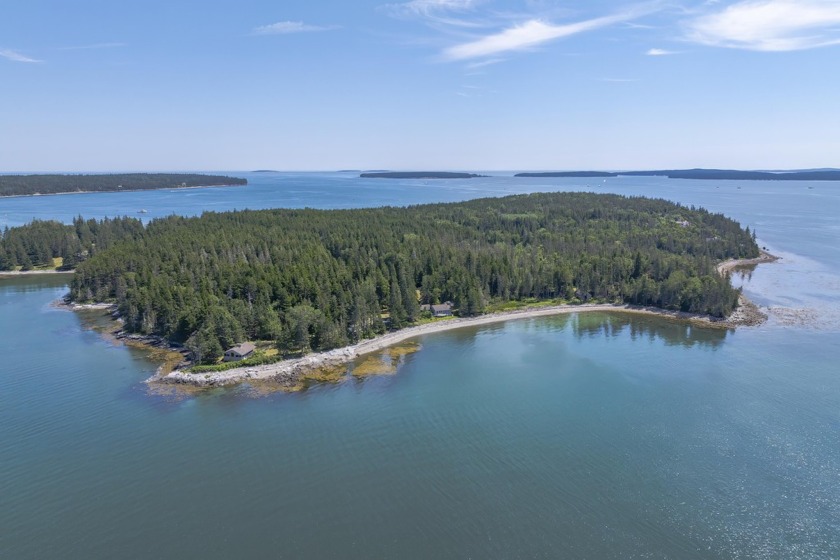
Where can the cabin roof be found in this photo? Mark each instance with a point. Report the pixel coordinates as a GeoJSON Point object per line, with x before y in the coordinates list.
{"type": "Point", "coordinates": [242, 349]}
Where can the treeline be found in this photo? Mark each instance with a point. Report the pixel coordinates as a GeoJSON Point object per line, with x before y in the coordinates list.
{"type": "Point", "coordinates": [18, 185]}
{"type": "Point", "coordinates": [707, 174]}
{"type": "Point", "coordinates": [418, 175]}
{"type": "Point", "coordinates": [316, 279]}
{"type": "Point", "coordinates": [38, 243]}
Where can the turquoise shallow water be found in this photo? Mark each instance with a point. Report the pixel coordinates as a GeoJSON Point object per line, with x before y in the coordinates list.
{"type": "Point", "coordinates": [584, 436]}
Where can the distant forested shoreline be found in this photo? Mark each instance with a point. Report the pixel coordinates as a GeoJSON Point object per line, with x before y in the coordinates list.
{"type": "Point", "coordinates": [28, 185]}
{"type": "Point", "coordinates": [320, 279]}
{"type": "Point", "coordinates": [708, 174]}
{"type": "Point", "coordinates": [418, 175]}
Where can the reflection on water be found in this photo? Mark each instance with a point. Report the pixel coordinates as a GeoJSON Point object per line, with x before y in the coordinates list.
{"type": "Point", "coordinates": [671, 332]}
{"type": "Point", "coordinates": [32, 283]}
{"type": "Point", "coordinates": [541, 331]}
{"type": "Point", "coordinates": [742, 274]}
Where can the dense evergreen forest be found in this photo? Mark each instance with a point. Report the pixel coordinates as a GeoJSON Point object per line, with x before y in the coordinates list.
{"type": "Point", "coordinates": [19, 185]}
{"type": "Point", "coordinates": [36, 245]}
{"type": "Point", "coordinates": [318, 279]}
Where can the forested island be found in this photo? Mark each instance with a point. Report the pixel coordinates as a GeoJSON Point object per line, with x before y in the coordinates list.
{"type": "Point", "coordinates": [418, 175]}
{"type": "Point", "coordinates": [23, 185]}
{"type": "Point", "coordinates": [320, 279]}
{"type": "Point", "coordinates": [708, 174]}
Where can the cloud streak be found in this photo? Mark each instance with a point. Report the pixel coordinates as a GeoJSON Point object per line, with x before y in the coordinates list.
{"type": "Point", "coordinates": [15, 56]}
{"type": "Point", "coordinates": [660, 52]}
{"type": "Point", "coordinates": [483, 63]}
{"type": "Point", "coordinates": [289, 27]}
{"type": "Point", "coordinates": [529, 35]}
{"type": "Point", "coordinates": [769, 25]}
{"type": "Point", "coordinates": [436, 11]}
{"type": "Point", "coordinates": [428, 7]}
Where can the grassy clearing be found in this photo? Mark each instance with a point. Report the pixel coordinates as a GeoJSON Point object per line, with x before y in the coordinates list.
{"type": "Point", "coordinates": [532, 303]}
{"type": "Point", "coordinates": [268, 355]}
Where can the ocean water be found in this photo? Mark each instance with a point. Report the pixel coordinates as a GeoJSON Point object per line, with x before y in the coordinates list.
{"type": "Point", "coordinates": [582, 436]}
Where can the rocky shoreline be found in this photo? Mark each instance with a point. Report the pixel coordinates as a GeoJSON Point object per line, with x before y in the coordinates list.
{"type": "Point", "coordinates": [289, 373]}
{"type": "Point", "coordinates": [728, 266]}
{"type": "Point", "coordinates": [16, 273]}
{"type": "Point", "coordinates": [147, 342]}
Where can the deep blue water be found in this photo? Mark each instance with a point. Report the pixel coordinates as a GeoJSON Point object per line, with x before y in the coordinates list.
{"type": "Point", "coordinates": [586, 436]}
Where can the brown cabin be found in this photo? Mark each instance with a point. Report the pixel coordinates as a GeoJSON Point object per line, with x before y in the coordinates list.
{"type": "Point", "coordinates": [440, 309]}
{"type": "Point", "coordinates": [240, 352]}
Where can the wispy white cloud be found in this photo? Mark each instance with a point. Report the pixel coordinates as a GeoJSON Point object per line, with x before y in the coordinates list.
{"type": "Point", "coordinates": [633, 25]}
{"type": "Point", "coordinates": [287, 27]}
{"type": "Point", "coordinates": [769, 25]}
{"type": "Point", "coordinates": [93, 46]}
{"type": "Point", "coordinates": [15, 56]}
{"type": "Point", "coordinates": [660, 52]}
{"type": "Point", "coordinates": [483, 63]}
{"type": "Point", "coordinates": [531, 34]}
{"type": "Point", "coordinates": [445, 12]}
{"type": "Point", "coordinates": [426, 7]}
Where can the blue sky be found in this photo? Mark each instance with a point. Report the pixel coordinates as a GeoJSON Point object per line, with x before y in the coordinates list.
{"type": "Point", "coordinates": [424, 84]}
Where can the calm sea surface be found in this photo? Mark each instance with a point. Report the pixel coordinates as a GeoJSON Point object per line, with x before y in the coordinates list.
{"type": "Point", "coordinates": [582, 436]}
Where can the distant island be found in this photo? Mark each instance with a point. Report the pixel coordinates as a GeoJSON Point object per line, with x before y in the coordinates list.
{"type": "Point", "coordinates": [31, 185]}
{"type": "Point", "coordinates": [419, 175]}
{"type": "Point", "coordinates": [265, 171]}
{"type": "Point", "coordinates": [708, 174]}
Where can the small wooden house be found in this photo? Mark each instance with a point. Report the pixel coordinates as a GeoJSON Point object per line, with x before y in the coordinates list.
{"type": "Point", "coordinates": [440, 309]}
{"type": "Point", "coordinates": [240, 352]}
